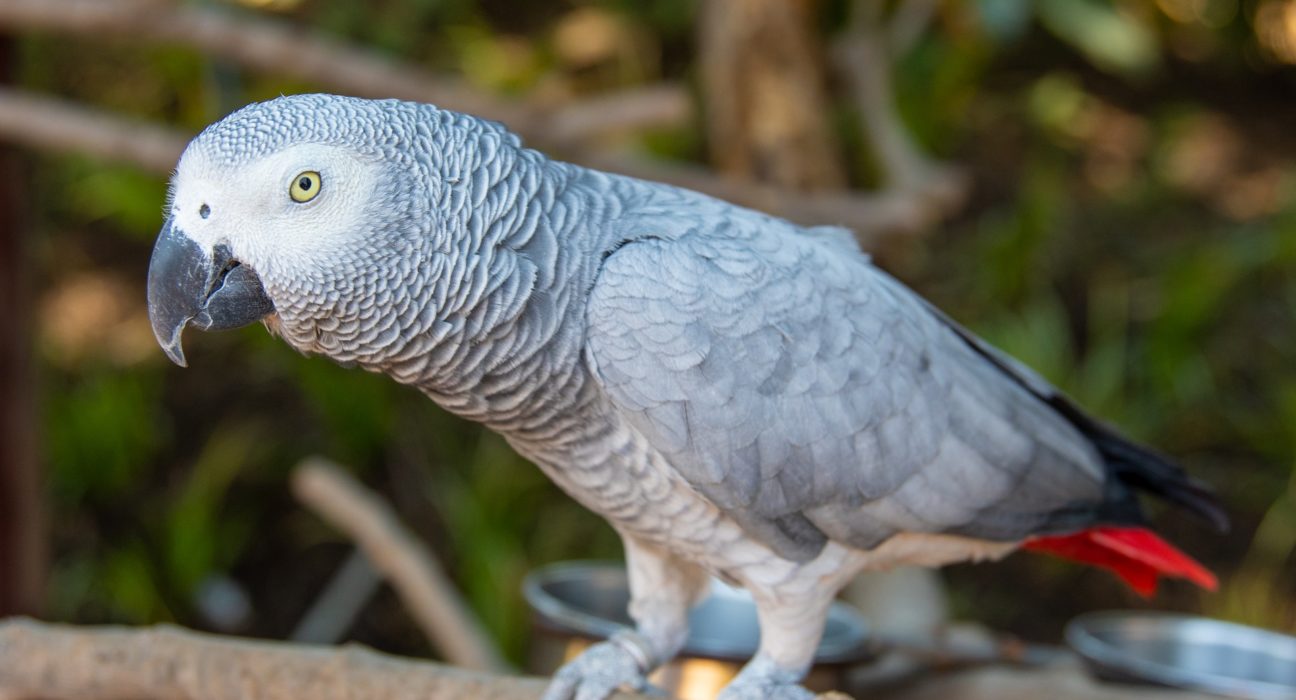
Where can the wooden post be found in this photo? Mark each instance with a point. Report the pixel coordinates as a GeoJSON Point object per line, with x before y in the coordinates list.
{"type": "Point", "coordinates": [22, 523]}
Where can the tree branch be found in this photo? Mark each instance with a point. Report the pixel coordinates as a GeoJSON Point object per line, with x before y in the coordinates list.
{"type": "Point", "coordinates": [39, 660]}
{"type": "Point", "coordinates": [908, 23]}
{"type": "Point", "coordinates": [865, 59]}
{"type": "Point", "coordinates": [65, 662]}
{"type": "Point", "coordinates": [276, 47]}
{"type": "Point", "coordinates": [424, 588]}
{"type": "Point", "coordinates": [66, 127]}
{"type": "Point", "coordinates": [574, 125]}
{"type": "Point", "coordinates": [62, 126]}
{"type": "Point", "coordinates": [875, 217]}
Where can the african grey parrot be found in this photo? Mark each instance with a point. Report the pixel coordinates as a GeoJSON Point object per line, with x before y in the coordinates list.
{"type": "Point", "coordinates": [739, 396]}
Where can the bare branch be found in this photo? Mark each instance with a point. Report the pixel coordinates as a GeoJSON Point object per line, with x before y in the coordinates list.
{"type": "Point", "coordinates": [66, 662]}
{"type": "Point", "coordinates": [261, 44]}
{"type": "Point", "coordinates": [875, 217]}
{"type": "Point", "coordinates": [39, 660]}
{"type": "Point", "coordinates": [424, 588]}
{"type": "Point", "coordinates": [279, 48]}
{"type": "Point", "coordinates": [864, 58]}
{"type": "Point", "coordinates": [625, 111]}
{"type": "Point", "coordinates": [61, 126]}
{"type": "Point", "coordinates": [336, 607]}
{"type": "Point", "coordinates": [65, 127]}
{"type": "Point", "coordinates": [866, 62]}
{"type": "Point", "coordinates": [910, 19]}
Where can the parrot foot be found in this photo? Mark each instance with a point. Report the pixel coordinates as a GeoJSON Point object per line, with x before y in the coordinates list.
{"type": "Point", "coordinates": [622, 661]}
{"type": "Point", "coordinates": [762, 679]}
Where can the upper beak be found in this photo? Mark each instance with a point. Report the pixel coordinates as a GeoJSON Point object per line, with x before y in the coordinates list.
{"type": "Point", "coordinates": [188, 285]}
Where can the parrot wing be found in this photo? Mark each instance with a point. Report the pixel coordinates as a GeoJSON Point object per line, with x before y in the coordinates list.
{"type": "Point", "coordinates": [810, 396]}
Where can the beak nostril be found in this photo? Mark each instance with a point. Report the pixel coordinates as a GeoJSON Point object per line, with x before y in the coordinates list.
{"type": "Point", "coordinates": [204, 211]}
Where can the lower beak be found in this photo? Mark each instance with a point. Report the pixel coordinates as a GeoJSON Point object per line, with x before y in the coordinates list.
{"type": "Point", "coordinates": [191, 286]}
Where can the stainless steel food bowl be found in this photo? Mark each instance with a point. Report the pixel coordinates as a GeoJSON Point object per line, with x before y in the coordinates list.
{"type": "Point", "coordinates": [576, 603]}
{"type": "Point", "coordinates": [1187, 652]}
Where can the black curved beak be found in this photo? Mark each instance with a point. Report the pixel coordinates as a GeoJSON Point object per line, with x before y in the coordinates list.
{"type": "Point", "coordinates": [190, 286]}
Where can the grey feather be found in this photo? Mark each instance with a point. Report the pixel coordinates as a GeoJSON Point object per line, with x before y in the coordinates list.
{"type": "Point", "coordinates": [829, 401]}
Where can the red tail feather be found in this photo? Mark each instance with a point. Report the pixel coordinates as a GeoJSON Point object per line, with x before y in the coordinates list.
{"type": "Point", "coordinates": [1136, 555]}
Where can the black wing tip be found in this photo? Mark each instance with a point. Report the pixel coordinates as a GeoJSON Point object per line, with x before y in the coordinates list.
{"type": "Point", "coordinates": [1201, 500]}
{"type": "Point", "coordinates": [1148, 470]}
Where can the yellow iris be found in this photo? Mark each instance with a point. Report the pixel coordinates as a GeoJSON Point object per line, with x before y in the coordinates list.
{"type": "Point", "coordinates": [305, 186]}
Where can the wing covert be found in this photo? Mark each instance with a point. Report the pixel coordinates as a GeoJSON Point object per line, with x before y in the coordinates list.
{"type": "Point", "coordinates": [811, 397]}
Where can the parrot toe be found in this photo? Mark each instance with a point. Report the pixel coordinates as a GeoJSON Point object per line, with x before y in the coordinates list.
{"type": "Point", "coordinates": [596, 674]}
{"type": "Point", "coordinates": [762, 679]}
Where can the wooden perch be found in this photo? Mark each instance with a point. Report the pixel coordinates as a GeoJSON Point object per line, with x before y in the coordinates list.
{"type": "Point", "coordinates": [423, 587]}
{"type": "Point", "coordinates": [39, 660]}
{"type": "Point", "coordinates": [47, 661]}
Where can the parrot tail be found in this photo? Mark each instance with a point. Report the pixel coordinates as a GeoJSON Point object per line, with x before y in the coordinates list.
{"type": "Point", "coordinates": [1137, 555]}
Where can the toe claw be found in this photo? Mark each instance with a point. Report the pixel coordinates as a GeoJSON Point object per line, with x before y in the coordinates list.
{"type": "Point", "coordinates": [762, 679]}
{"type": "Point", "coordinates": [596, 674]}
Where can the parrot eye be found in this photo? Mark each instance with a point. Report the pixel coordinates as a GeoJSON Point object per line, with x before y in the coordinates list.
{"type": "Point", "coordinates": [305, 187]}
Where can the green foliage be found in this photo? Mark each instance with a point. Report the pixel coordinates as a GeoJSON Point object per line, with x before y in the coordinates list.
{"type": "Point", "coordinates": [355, 408]}
{"type": "Point", "coordinates": [198, 535]}
{"type": "Point", "coordinates": [125, 197]}
{"type": "Point", "coordinates": [1112, 40]}
{"type": "Point", "coordinates": [101, 433]}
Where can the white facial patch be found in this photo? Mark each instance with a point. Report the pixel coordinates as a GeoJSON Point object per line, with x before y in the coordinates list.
{"type": "Point", "coordinates": [248, 206]}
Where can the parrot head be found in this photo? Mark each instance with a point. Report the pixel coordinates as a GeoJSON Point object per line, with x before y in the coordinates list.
{"type": "Point", "coordinates": [309, 212]}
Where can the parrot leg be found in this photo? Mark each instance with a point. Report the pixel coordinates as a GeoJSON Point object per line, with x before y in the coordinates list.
{"type": "Point", "coordinates": [662, 589]}
{"type": "Point", "coordinates": [790, 632]}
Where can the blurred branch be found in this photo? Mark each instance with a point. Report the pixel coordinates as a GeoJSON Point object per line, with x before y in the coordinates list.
{"type": "Point", "coordinates": [908, 22]}
{"type": "Point", "coordinates": [62, 126]}
{"type": "Point", "coordinates": [580, 121]}
{"type": "Point", "coordinates": [275, 47]}
{"type": "Point", "coordinates": [875, 217]}
{"type": "Point", "coordinates": [257, 43]}
{"type": "Point", "coordinates": [336, 607]}
{"type": "Point", "coordinates": [394, 551]}
{"type": "Point", "coordinates": [864, 56]}
{"type": "Point", "coordinates": [39, 660]}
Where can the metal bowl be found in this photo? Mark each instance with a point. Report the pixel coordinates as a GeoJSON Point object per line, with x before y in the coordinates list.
{"type": "Point", "coordinates": [577, 602]}
{"type": "Point", "coordinates": [1187, 652]}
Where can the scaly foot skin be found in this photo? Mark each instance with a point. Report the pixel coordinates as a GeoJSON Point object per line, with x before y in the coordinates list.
{"type": "Point", "coordinates": [601, 670]}
{"type": "Point", "coordinates": [762, 679]}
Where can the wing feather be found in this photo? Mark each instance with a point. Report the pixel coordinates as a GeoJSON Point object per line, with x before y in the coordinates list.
{"type": "Point", "coordinates": [810, 396]}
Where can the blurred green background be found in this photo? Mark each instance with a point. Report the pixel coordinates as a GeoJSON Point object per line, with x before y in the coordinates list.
{"type": "Point", "coordinates": [1130, 232]}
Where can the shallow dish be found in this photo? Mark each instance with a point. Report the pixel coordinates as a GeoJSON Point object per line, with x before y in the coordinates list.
{"type": "Point", "coordinates": [1180, 651]}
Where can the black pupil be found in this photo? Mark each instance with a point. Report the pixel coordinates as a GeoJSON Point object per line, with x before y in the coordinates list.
{"type": "Point", "coordinates": [304, 183]}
